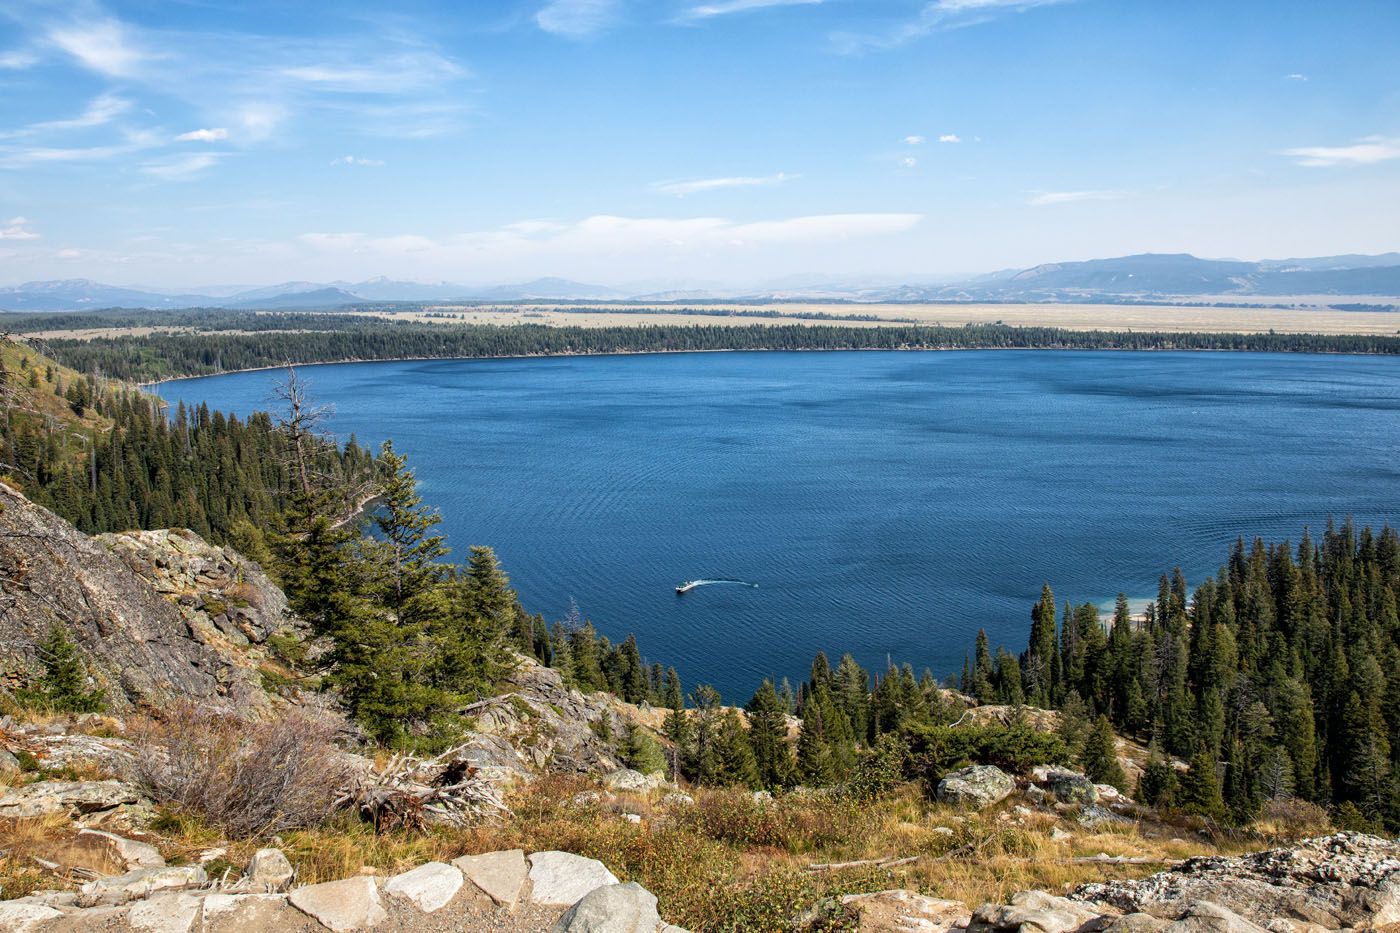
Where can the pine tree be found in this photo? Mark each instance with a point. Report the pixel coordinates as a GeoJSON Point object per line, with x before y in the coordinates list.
{"type": "Point", "coordinates": [1040, 656]}
{"type": "Point", "coordinates": [1200, 787]}
{"type": "Point", "coordinates": [63, 685]}
{"type": "Point", "coordinates": [410, 555]}
{"type": "Point", "coordinates": [768, 738]}
{"type": "Point", "coordinates": [1100, 756]}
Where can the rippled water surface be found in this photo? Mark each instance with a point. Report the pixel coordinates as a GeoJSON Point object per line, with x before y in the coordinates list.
{"type": "Point", "coordinates": [886, 504]}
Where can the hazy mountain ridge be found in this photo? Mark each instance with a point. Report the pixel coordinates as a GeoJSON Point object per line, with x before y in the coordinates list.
{"type": "Point", "coordinates": [1144, 276]}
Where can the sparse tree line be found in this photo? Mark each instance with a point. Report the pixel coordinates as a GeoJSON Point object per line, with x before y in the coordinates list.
{"type": "Point", "coordinates": [342, 338]}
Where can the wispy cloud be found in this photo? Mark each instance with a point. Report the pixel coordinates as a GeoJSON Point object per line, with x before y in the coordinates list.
{"type": "Point", "coordinates": [725, 7]}
{"type": "Point", "coordinates": [914, 140]}
{"type": "Point", "coordinates": [1366, 151]}
{"type": "Point", "coordinates": [102, 45]}
{"type": "Point", "coordinates": [1048, 198]}
{"type": "Point", "coordinates": [934, 16]}
{"type": "Point", "coordinates": [133, 141]}
{"type": "Point", "coordinates": [182, 168]}
{"type": "Point", "coordinates": [101, 110]}
{"type": "Point", "coordinates": [695, 186]}
{"type": "Point", "coordinates": [1296, 76]}
{"type": "Point", "coordinates": [211, 135]}
{"type": "Point", "coordinates": [908, 162]}
{"type": "Point", "coordinates": [577, 19]}
{"type": "Point", "coordinates": [356, 160]}
{"type": "Point", "coordinates": [18, 60]}
{"type": "Point", "coordinates": [950, 138]}
{"type": "Point", "coordinates": [17, 228]}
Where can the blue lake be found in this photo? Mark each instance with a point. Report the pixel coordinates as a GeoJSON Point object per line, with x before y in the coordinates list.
{"type": "Point", "coordinates": [886, 504]}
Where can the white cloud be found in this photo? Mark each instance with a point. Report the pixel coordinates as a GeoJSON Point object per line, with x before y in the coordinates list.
{"type": "Point", "coordinates": [182, 168]}
{"type": "Point", "coordinates": [950, 138]}
{"type": "Point", "coordinates": [682, 188]}
{"type": "Point", "coordinates": [1366, 151]}
{"type": "Point", "coordinates": [935, 15]}
{"type": "Point", "coordinates": [213, 134]}
{"type": "Point", "coordinates": [356, 160]}
{"type": "Point", "coordinates": [725, 7]}
{"type": "Point", "coordinates": [17, 228]}
{"type": "Point", "coordinates": [576, 19]}
{"type": "Point", "coordinates": [398, 73]}
{"type": "Point", "coordinates": [101, 45]}
{"type": "Point", "coordinates": [1048, 198]}
{"type": "Point", "coordinates": [914, 140]}
{"type": "Point", "coordinates": [1297, 77]}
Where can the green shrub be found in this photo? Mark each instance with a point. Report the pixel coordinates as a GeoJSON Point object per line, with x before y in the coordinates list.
{"type": "Point", "coordinates": [936, 750]}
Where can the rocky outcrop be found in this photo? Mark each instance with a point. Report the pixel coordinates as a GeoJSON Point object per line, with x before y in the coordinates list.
{"type": "Point", "coordinates": [1336, 882]}
{"type": "Point", "coordinates": [975, 786]}
{"type": "Point", "coordinates": [141, 645]}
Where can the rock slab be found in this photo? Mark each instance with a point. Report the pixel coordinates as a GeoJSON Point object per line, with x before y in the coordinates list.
{"type": "Point", "coordinates": [429, 887]}
{"type": "Point", "coordinates": [344, 906]}
{"type": "Point", "coordinates": [976, 786]}
{"type": "Point", "coordinates": [501, 876]}
{"type": "Point", "coordinates": [562, 879]}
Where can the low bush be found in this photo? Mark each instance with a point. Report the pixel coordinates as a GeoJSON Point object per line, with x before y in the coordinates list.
{"type": "Point", "coordinates": [936, 750]}
{"type": "Point", "coordinates": [246, 778]}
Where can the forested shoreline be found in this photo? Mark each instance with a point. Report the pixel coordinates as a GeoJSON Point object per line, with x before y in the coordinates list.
{"type": "Point", "coordinates": [156, 357]}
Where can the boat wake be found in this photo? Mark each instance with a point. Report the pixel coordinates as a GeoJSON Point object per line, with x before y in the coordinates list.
{"type": "Point", "coordinates": [692, 584]}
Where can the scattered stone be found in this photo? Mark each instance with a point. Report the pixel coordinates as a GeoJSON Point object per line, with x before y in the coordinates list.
{"type": "Point", "coordinates": [677, 799]}
{"type": "Point", "coordinates": [1110, 794]}
{"type": "Point", "coordinates": [166, 913]}
{"type": "Point", "coordinates": [140, 883]}
{"type": "Point", "coordinates": [128, 853]}
{"type": "Point", "coordinates": [976, 786]}
{"type": "Point", "coordinates": [562, 879]}
{"type": "Point", "coordinates": [1095, 815]}
{"type": "Point", "coordinates": [943, 830]}
{"type": "Point", "coordinates": [632, 817]}
{"type": "Point", "coordinates": [74, 798]}
{"type": "Point", "coordinates": [352, 904]}
{"type": "Point", "coordinates": [1059, 835]}
{"type": "Point", "coordinates": [428, 887]}
{"type": "Point", "coordinates": [906, 912]}
{"type": "Point", "coordinates": [585, 799]}
{"type": "Point", "coordinates": [613, 908]}
{"type": "Point", "coordinates": [269, 870]}
{"type": "Point", "coordinates": [208, 855]}
{"type": "Point", "coordinates": [501, 876]}
{"type": "Point", "coordinates": [9, 764]}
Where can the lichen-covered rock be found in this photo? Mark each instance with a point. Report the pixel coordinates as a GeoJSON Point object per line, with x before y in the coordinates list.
{"type": "Point", "coordinates": [1032, 912]}
{"type": "Point", "coordinates": [140, 883]}
{"type": "Point", "coordinates": [1069, 786]}
{"type": "Point", "coordinates": [74, 798]}
{"type": "Point", "coordinates": [975, 786]}
{"type": "Point", "coordinates": [1346, 880]}
{"type": "Point", "coordinates": [21, 918]}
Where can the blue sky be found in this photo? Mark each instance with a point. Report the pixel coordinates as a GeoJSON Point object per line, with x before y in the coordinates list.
{"type": "Point", "coordinates": [686, 141]}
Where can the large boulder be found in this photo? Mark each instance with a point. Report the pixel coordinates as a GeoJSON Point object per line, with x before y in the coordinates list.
{"type": "Point", "coordinates": [1069, 786]}
{"type": "Point", "coordinates": [614, 908]}
{"type": "Point", "coordinates": [139, 884]}
{"type": "Point", "coordinates": [975, 786]}
{"type": "Point", "coordinates": [268, 870]}
{"type": "Point", "coordinates": [129, 853]}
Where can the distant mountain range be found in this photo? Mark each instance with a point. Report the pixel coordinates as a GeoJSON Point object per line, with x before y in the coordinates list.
{"type": "Point", "coordinates": [1150, 276]}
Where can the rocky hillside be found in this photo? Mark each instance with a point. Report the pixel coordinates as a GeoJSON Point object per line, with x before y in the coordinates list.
{"type": "Point", "coordinates": [156, 616]}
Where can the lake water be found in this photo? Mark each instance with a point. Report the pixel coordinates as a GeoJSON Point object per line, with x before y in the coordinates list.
{"type": "Point", "coordinates": [886, 504]}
